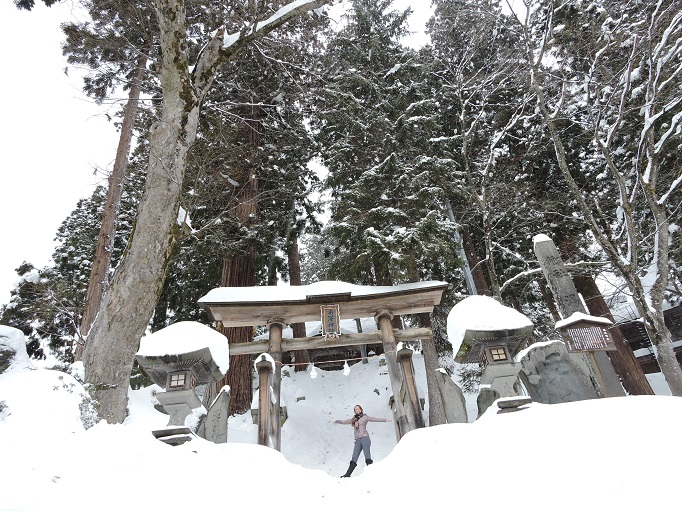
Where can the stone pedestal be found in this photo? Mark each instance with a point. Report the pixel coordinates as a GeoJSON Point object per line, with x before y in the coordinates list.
{"type": "Point", "coordinates": [501, 376]}
{"type": "Point", "coordinates": [178, 404]}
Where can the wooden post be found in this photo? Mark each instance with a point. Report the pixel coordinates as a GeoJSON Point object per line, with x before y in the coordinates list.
{"type": "Point", "coordinates": [623, 359]}
{"type": "Point", "coordinates": [275, 327]}
{"type": "Point", "coordinates": [264, 371]}
{"type": "Point", "coordinates": [405, 360]}
{"type": "Point", "coordinates": [386, 327]}
{"type": "Point", "coordinates": [600, 377]}
{"type": "Point", "coordinates": [363, 347]}
{"type": "Point", "coordinates": [567, 301]}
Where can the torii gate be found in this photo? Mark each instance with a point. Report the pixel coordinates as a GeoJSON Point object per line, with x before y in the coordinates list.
{"type": "Point", "coordinates": [276, 306]}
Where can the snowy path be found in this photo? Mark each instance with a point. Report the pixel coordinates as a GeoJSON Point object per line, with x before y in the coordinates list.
{"type": "Point", "coordinates": [309, 436]}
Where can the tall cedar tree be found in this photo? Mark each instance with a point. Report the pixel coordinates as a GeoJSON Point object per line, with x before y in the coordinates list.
{"type": "Point", "coordinates": [247, 185]}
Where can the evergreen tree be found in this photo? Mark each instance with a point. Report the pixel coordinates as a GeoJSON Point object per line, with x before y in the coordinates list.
{"type": "Point", "coordinates": [386, 205]}
{"type": "Point", "coordinates": [47, 304]}
{"type": "Point", "coordinates": [248, 181]}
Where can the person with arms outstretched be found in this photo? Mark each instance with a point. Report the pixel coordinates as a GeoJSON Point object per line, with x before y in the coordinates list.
{"type": "Point", "coordinates": [362, 441]}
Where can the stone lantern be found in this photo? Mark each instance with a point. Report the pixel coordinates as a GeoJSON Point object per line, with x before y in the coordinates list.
{"type": "Point", "coordinates": [178, 358]}
{"type": "Point", "coordinates": [483, 330]}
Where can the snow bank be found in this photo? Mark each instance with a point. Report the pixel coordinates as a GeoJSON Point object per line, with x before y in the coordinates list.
{"type": "Point", "coordinates": [41, 402]}
{"type": "Point", "coordinates": [50, 462]}
{"type": "Point", "coordinates": [15, 340]}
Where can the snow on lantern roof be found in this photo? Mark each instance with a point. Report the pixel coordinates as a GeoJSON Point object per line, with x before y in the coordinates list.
{"type": "Point", "coordinates": [577, 317]}
{"type": "Point", "coordinates": [479, 313]}
{"type": "Point", "coordinates": [186, 337]}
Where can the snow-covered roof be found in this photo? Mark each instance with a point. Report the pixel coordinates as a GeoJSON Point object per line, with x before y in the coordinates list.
{"type": "Point", "coordinates": [247, 306]}
{"type": "Point", "coordinates": [581, 316]}
{"type": "Point", "coordinates": [324, 288]}
{"type": "Point", "coordinates": [482, 314]}
{"type": "Point", "coordinates": [182, 338]}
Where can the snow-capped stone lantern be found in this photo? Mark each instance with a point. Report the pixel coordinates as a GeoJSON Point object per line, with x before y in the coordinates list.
{"type": "Point", "coordinates": [178, 358]}
{"type": "Point", "coordinates": [482, 330]}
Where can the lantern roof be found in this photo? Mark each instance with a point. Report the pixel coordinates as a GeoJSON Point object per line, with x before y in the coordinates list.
{"type": "Point", "coordinates": [184, 345]}
{"type": "Point", "coordinates": [479, 320]}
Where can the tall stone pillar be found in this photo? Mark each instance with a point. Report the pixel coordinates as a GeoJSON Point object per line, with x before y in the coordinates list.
{"type": "Point", "coordinates": [604, 377]}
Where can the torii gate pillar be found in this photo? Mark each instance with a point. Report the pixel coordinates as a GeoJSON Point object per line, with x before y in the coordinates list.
{"type": "Point", "coordinates": [404, 417]}
{"type": "Point", "coordinates": [275, 327]}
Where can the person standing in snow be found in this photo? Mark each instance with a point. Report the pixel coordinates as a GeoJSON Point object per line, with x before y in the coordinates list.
{"type": "Point", "coordinates": [362, 441]}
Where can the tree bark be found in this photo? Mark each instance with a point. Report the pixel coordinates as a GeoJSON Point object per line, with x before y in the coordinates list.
{"type": "Point", "coordinates": [301, 357]}
{"type": "Point", "coordinates": [240, 271]}
{"type": "Point", "coordinates": [105, 243]}
{"type": "Point", "coordinates": [129, 302]}
{"type": "Point", "coordinates": [475, 264]}
{"type": "Point", "coordinates": [623, 359]}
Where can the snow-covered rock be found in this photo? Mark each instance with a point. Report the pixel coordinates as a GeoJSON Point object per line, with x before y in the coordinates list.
{"type": "Point", "coordinates": [13, 355]}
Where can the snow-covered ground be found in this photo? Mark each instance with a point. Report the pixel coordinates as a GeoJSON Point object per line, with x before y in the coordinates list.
{"type": "Point", "coordinates": [566, 456]}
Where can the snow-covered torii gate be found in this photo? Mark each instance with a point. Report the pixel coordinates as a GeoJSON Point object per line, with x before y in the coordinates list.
{"type": "Point", "coordinates": [277, 306]}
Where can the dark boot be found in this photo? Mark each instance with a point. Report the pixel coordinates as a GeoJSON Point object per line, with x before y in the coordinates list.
{"type": "Point", "coordinates": [351, 467]}
{"type": "Point", "coordinates": [369, 462]}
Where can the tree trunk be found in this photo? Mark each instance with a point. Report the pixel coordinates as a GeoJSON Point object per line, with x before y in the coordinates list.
{"type": "Point", "coordinates": [623, 359]}
{"type": "Point", "coordinates": [99, 274]}
{"type": "Point", "coordinates": [128, 304]}
{"type": "Point", "coordinates": [475, 264]}
{"type": "Point", "coordinates": [302, 357]}
{"type": "Point", "coordinates": [240, 271]}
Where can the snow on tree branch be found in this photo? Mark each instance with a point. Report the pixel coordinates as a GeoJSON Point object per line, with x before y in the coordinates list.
{"type": "Point", "coordinates": [235, 41]}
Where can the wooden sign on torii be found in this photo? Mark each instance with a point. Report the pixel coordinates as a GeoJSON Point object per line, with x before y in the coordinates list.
{"type": "Point", "coordinates": [276, 306]}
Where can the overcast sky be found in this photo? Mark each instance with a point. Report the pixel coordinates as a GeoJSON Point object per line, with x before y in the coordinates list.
{"type": "Point", "coordinates": [56, 144]}
{"type": "Point", "coordinates": [53, 137]}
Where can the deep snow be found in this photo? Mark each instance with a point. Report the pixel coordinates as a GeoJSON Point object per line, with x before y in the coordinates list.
{"type": "Point", "coordinates": [566, 456]}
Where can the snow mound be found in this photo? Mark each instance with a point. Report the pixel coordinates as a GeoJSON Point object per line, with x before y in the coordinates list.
{"type": "Point", "coordinates": [14, 339]}
{"type": "Point", "coordinates": [44, 400]}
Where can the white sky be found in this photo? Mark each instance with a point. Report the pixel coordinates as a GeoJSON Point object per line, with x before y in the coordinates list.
{"type": "Point", "coordinates": [53, 136]}
{"type": "Point", "coordinates": [561, 457]}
